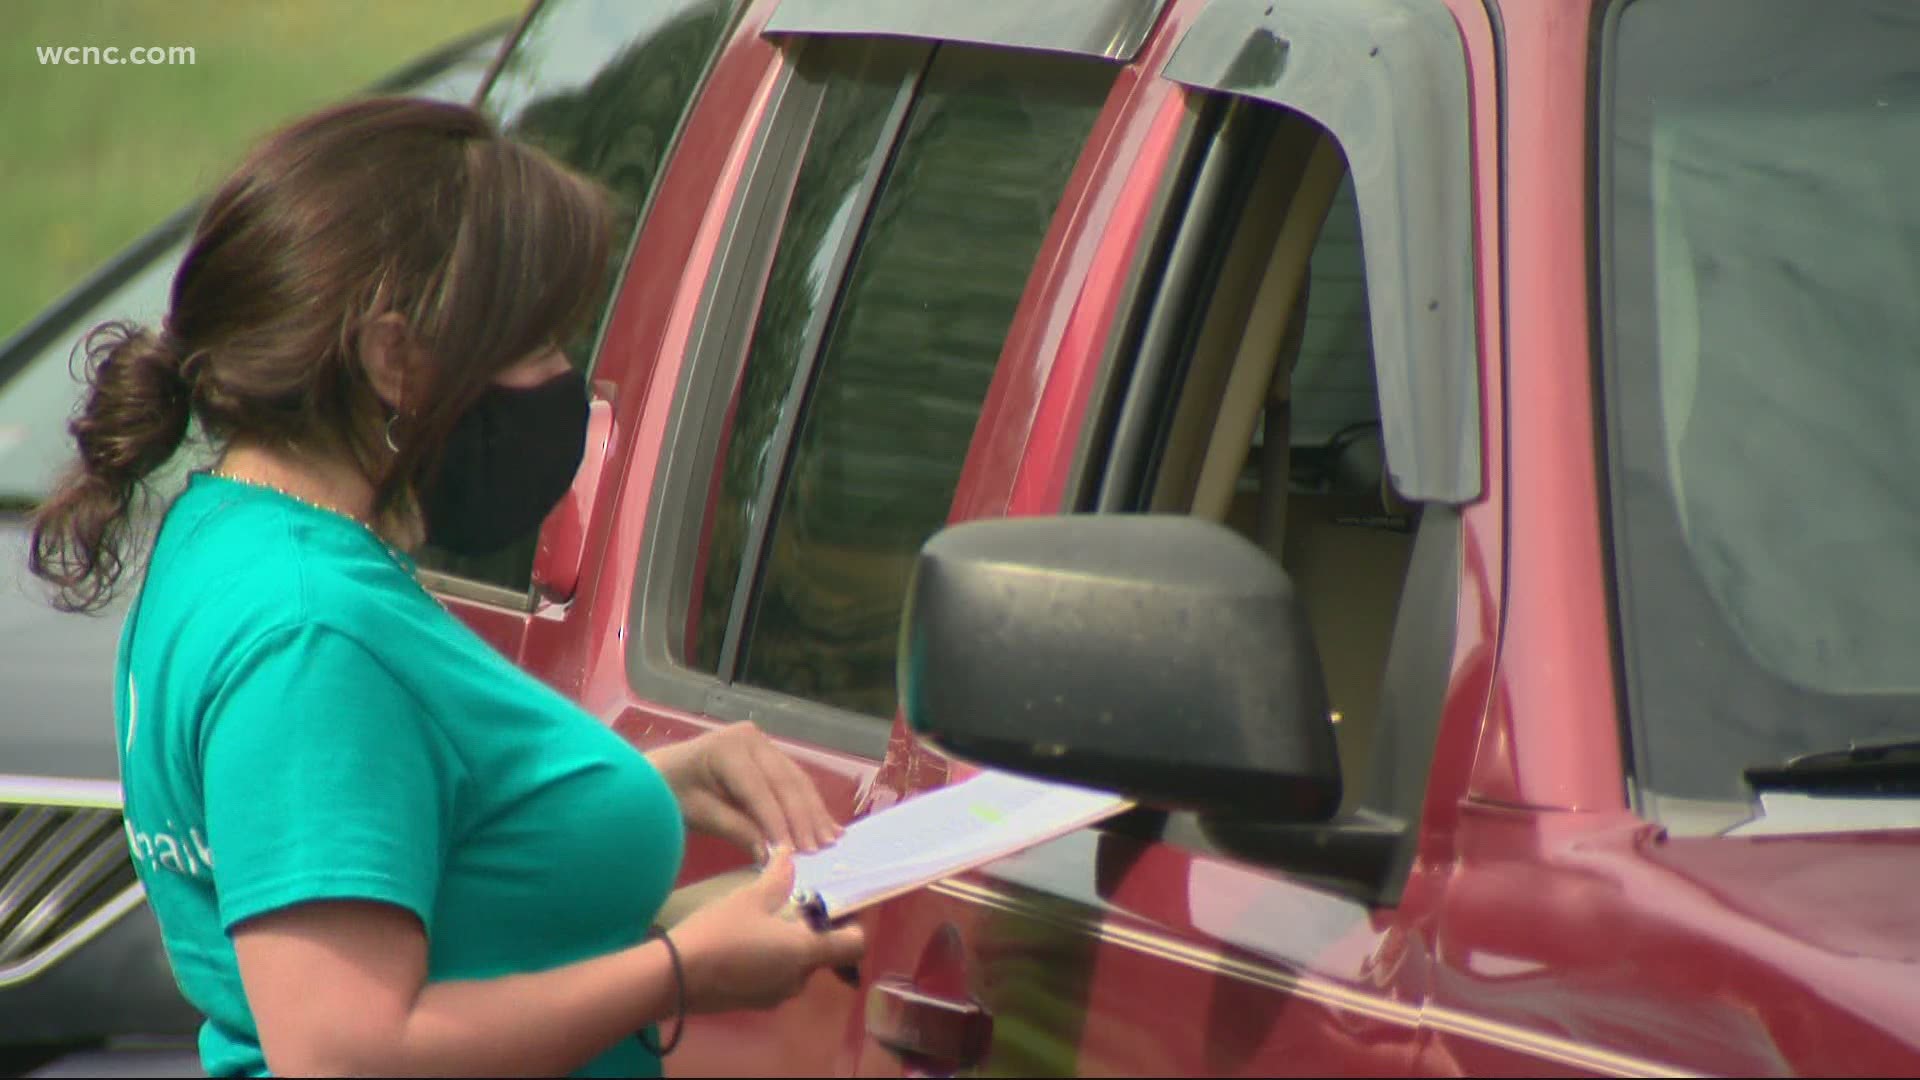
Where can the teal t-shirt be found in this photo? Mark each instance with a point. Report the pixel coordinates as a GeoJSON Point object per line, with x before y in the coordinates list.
{"type": "Point", "coordinates": [299, 720]}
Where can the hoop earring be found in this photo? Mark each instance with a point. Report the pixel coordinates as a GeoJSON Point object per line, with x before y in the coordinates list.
{"type": "Point", "coordinates": [391, 445]}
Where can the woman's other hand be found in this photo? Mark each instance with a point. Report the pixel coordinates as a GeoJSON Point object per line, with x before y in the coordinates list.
{"type": "Point", "coordinates": [751, 950]}
{"type": "Point", "coordinates": [734, 783]}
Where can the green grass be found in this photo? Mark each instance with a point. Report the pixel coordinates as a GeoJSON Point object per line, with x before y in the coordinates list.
{"type": "Point", "coordinates": [93, 156]}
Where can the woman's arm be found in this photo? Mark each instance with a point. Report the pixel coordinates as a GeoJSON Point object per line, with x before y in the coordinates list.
{"type": "Point", "coordinates": [338, 988]}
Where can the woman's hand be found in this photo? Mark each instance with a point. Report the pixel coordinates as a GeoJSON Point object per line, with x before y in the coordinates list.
{"type": "Point", "coordinates": [750, 950]}
{"type": "Point", "coordinates": [734, 783]}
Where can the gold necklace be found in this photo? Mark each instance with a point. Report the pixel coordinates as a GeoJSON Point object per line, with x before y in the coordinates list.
{"type": "Point", "coordinates": [278, 490]}
{"type": "Point", "coordinates": [399, 559]}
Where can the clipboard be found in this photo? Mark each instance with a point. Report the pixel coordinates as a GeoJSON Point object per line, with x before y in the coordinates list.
{"type": "Point", "coordinates": [937, 834]}
{"type": "Point", "coordinates": [922, 839]}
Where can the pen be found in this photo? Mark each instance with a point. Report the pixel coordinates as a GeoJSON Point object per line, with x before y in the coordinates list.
{"type": "Point", "coordinates": [814, 910]}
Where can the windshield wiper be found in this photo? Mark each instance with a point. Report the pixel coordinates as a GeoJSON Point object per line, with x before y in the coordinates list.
{"type": "Point", "coordinates": [1863, 768]}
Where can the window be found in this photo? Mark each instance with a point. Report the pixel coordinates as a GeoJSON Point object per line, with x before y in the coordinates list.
{"type": "Point", "coordinates": [601, 85]}
{"type": "Point", "coordinates": [1332, 383]}
{"type": "Point", "coordinates": [842, 148]}
{"type": "Point", "coordinates": [1762, 399]}
{"type": "Point", "coordinates": [1261, 411]}
{"type": "Point", "coordinates": [1303, 458]}
{"type": "Point", "coordinates": [886, 412]}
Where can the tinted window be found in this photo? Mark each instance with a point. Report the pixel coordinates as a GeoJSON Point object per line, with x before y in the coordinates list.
{"type": "Point", "coordinates": [840, 151]}
{"type": "Point", "coordinates": [954, 233]}
{"type": "Point", "coordinates": [1763, 397]}
{"type": "Point", "coordinates": [601, 85]}
{"type": "Point", "coordinates": [1332, 383]}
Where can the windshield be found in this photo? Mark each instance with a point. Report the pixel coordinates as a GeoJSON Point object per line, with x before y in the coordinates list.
{"type": "Point", "coordinates": [1762, 365]}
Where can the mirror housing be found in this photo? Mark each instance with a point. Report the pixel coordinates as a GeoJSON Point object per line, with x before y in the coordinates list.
{"type": "Point", "coordinates": [562, 550]}
{"type": "Point", "coordinates": [1163, 657]}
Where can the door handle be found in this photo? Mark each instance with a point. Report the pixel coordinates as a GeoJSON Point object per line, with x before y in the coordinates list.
{"type": "Point", "coordinates": [945, 1033]}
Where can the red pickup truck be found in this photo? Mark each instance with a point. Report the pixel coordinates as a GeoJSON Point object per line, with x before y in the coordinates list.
{"type": "Point", "coordinates": [1456, 449]}
{"type": "Point", "coordinates": [1443, 457]}
{"type": "Point", "coordinates": [1456, 453]}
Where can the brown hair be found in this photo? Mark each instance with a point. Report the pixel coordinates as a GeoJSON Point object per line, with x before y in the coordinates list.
{"type": "Point", "coordinates": [487, 248]}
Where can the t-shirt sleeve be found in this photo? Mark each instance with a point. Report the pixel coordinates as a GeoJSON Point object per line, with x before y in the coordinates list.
{"type": "Point", "coordinates": [323, 779]}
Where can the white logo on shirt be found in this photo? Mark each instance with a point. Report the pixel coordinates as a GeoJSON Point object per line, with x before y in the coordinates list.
{"type": "Point", "coordinates": [162, 849]}
{"type": "Point", "coordinates": [165, 851]}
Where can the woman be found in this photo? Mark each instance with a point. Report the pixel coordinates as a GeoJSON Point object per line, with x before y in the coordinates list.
{"type": "Point", "coordinates": [373, 845]}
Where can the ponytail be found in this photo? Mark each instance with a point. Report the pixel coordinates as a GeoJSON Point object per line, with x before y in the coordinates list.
{"type": "Point", "coordinates": [137, 407]}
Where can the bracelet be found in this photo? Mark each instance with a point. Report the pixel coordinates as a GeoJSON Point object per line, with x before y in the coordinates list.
{"type": "Point", "coordinates": [679, 1000]}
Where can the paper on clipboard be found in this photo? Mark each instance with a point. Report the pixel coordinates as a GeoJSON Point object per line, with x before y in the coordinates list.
{"type": "Point", "coordinates": [939, 834]}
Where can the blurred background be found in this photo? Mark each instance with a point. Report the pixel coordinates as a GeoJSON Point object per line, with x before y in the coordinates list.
{"type": "Point", "coordinates": [94, 156]}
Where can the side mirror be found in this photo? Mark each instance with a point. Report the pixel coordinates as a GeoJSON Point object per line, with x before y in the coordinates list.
{"type": "Point", "coordinates": [562, 546]}
{"type": "Point", "coordinates": [1166, 658]}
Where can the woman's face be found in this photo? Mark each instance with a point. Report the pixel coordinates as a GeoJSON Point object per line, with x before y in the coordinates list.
{"type": "Point", "coordinates": [534, 369]}
{"type": "Point", "coordinates": [388, 354]}
{"type": "Point", "coordinates": [509, 458]}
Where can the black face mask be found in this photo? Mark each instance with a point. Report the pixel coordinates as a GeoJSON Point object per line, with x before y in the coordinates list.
{"type": "Point", "coordinates": [508, 461]}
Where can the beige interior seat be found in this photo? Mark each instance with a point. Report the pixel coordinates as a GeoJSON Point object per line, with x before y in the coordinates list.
{"type": "Point", "coordinates": [1349, 566]}
{"type": "Point", "coordinates": [1337, 544]}
{"type": "Point", "coordinates": [1227, 338]}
